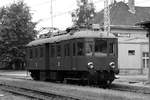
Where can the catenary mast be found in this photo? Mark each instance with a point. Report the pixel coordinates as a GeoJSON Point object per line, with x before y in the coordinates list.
{"type": "Point", "coordinates": [51, 12]}
{"type": "Point", "coordinates": [106, 17]}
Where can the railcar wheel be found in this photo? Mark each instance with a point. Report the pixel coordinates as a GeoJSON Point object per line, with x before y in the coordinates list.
{"type": "Point", "coordinates": [35, 75]}
{"type": "Point", "coordinates": [92, 80]}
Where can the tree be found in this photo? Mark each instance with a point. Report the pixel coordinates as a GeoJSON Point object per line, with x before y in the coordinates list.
{"type": "Point", "coordinates": [16, 30]}
{"type": "Point", "coordinates": [84, 14]}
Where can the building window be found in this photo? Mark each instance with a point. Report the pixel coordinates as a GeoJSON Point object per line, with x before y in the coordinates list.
{"type": "Point", "coordinates": [145, 59]}
{"type": "Point", "coordinates": [131, 52]}
{"type": "Point", "coordinates": [123, 35]}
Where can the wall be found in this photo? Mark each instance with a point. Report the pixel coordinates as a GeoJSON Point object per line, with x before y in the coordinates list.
{"type": "Point", "coordinates": [129, 61]}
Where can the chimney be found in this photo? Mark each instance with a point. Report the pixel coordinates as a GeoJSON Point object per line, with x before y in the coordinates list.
{"type": "Point", "coordinates": [131, 6]}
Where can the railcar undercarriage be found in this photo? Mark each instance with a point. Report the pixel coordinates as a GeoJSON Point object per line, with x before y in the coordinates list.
{"type": "Point", "coordinates": [82, 77]}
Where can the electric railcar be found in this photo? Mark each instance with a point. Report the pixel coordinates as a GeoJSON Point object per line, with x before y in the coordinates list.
{"type": "Point", "coordinates": [84, 55]}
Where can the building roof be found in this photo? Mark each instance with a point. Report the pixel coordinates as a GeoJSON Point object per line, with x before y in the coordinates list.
{"type": "Point", "coordinates": [133, 40]}
{"type": "Point", "coordinates": [126, 27]}
{"type": "Point", "coordinates": [78, 34]}
{"type": "Point", "coordinates": [120, 15]}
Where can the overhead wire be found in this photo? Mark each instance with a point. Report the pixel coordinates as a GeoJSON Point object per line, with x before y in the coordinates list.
{"type": "Point", "coordinates": [5, 2]}
{"type": "Point", "coordinates": [66, 12]}
{"type": "Point", "coordinates": [63, 13]}
{"type": "Point", "coordinates": [42, 3]}
{"type": "Point", "coordinates": [142, 2]}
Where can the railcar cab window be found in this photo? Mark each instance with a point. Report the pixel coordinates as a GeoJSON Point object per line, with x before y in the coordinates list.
{"type": "Point", "coordinates": [89, 48]}
{"type": "Point", "coordinates": [80, 49]}
{"type": "Point", "coordinates": [111, 48]}
{"type": "Point", "coordinates": [100, 47]}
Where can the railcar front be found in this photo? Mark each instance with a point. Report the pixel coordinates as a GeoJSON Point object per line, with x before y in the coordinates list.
{"type": "Point", "coordinates": [102, 59]}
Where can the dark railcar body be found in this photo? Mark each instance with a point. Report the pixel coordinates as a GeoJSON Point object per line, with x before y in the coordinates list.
{"type": "Point", "coordinates": [70, 55]}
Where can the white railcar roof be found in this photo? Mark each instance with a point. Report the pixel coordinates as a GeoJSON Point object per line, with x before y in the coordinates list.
{"type": "Point", "coordinates": [78, 34]}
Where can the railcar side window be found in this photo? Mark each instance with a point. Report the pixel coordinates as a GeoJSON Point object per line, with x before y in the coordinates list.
{"type": "Point", "coordinates": [111, 48]}
{"type": "Point", "coordinates": [100, 48]}
{"type": "Point", "coordinates": [74, 49]}
{"type": "Point", "coordinates": [67, 49]}
{"type": "Point", "coordinates": [52, 51]}
{"type": "Point", "coordinates": [31, 53]}
{"type": "Point", "coordinates": [41, 52]}
{"type": "Point", "coordinates": [36, 52]}
{"type": "Point", "coordinates": [80, 49]}
{"type": "Point", "coordinates": [58, 50]}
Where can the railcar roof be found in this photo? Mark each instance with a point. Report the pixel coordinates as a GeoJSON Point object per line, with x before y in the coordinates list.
{"type": "Point", "coordinates": [78, 34]}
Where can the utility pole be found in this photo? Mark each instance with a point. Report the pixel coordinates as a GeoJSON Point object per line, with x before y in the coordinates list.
{"type": "Point", "coordinates": [106, 17]}
{"type": "Point", "coordinates": [51, 12]}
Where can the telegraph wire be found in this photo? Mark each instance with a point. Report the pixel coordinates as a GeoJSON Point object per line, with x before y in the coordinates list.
{"type": "Point", "coordinates": [141, 2]}
{"type": "Point", "coordinates": [62, 13]}
{"type": "Point", "coordinates": [43, 3]}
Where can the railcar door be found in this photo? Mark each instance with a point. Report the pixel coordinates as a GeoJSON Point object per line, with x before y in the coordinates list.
{"type": "Point", "coordinates": [38, 59]}
{"type": "Point", "coordinates": [73, 54]}
{"type": "Point", "coordinates": [59, 61]}
{"type": "Point", "coordinates": [113, 50]}
{"type": "Point", "coordinates": [80, 58]}
{"type": "Point", "coordinates": [52, 55]}
{"type": "Point", "coordinates": [30, 64]}
{"type": "Point", "coordinates": [101, 53]}
{"type": "Point", "coordinates": [67, 55]}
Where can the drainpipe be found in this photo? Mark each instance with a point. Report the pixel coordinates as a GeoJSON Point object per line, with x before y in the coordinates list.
{"type": "Point", "coordinates": [149, 57]}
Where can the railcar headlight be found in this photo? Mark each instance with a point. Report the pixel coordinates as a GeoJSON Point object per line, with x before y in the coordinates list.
{"type": "Point", "coordinates": [90, 65]}
{"type": "Point", "coordinates": [112, 64]}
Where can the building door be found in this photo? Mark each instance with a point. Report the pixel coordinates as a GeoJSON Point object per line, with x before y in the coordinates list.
{"type": "Point", "coordinates": [145, 61]}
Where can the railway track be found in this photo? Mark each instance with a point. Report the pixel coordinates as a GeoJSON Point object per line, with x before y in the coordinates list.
{"type": "Point", "coordinates": [35, 94]}
{"type": "Point", "coordinates": [115, 86]}
{"type": "Point", "coordinates": [131, 88]}
{"type": "Point", "coordinates": [38, 94]}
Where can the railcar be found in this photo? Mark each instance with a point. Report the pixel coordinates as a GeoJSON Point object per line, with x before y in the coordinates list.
{"type": "Point", "coordinates": [86, 55]}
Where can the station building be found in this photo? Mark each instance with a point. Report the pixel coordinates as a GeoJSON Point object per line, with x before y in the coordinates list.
{"type": "Point", "coordinates": [133, 48]}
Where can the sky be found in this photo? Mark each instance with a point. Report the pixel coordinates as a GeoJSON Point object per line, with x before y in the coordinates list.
{"type": "Point", "coordinates": [41, 10]}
